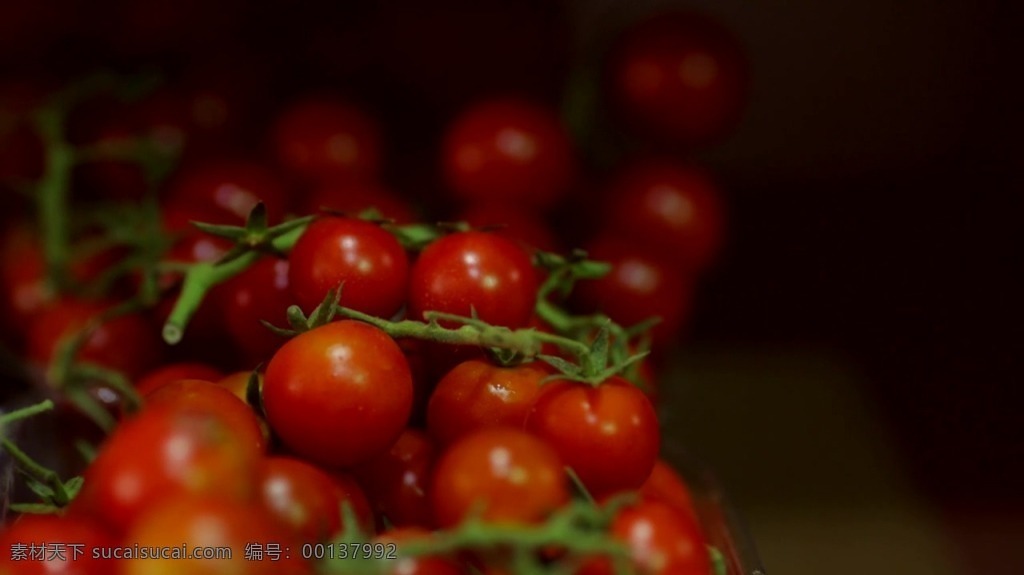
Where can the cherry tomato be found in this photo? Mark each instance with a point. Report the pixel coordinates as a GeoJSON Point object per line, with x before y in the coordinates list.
{"type": "Point", "coordinates": [367, 262]}
{"type": "Point", "coordinates": [502, 473]}
{"type": "Point", "coordinates": [165, 453]}
{"type": "Point", "coordinates": [420, 564]}
{"type": "Point", "coordinates": [673, 210]}
{"type": "Point", "coordinates": [169, 373]}
{"type": "Point", "coordinates": [352, 197]}
{"type": "Point", "coordinates": [512, 222]}
{"type": "Point", "coordinates": [508, 151]}
{"type": "Point", "coordinates": [65, 546]}
{"type": "Point", "coordinates": [227, 191]}
{"type": "Point", "coordinates": [478, 394]}
{"type": "Point", "coordinates": [259, 293]}
{"type": "Point", "coordinates": [320, 138]}
{"type": "Point", "coordinates": [638, 288]}
{"type": "Point", "coordinates": [397, 482]}
{"type": "Point", "coordinates": [607, 434]}
{"type": "Point", "coordinates": [301, 497]}
{"type": "Point", "coordinates": [214, 524]}
{"type": "Point", "coordinates": [339, 394]}
{"type": "Point", "coordinates": [662, 540]}
{"type": "Point", "coordinates": [126, 343]}
{"type": "Point", "coordinates": [474, 272]}
{"type": "Point", "coordinates": [666, 486]}
{"type": "Point", "coordinates": [199, 394]}
{"type": "Point", "coordinates": [681, 77]}
{"type": "Point", "coordinates": [24, 289]}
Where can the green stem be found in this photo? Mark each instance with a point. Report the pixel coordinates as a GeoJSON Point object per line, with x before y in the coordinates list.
{"type": "Point", "coordinates": [31, 467]}
{"type": "Point", "coordinates": [25, 412]}
{"type": "Point", "coordinates": [526, 342]}
{"type": "Point", "coordinates": [201, 277]}
{"type": "Point", "coordinates": [52, 194]}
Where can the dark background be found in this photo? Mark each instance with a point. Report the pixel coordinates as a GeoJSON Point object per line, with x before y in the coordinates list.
{"type": "Point", "coordinates": [874, 184]}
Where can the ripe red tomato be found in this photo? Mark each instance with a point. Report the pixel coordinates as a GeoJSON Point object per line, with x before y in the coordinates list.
{"type": "Point", "coordinates": [339, 394]}
{"type": "Point", "coordinates": [320, 138]}
{"type": "Point", "coordinates": [367, 261]}
{"type": "Point", "coordinates": [681, 77]}
{"type": "Point", "coordinates": [211, 522]}
{"type": "Point", "coordinates": [259, 293]}
{"type": "Point", "coordinates": [164, 453]}
{"type": "Point", "coordinates": [509, 151]}
{"type": "Point", "coordinates": [172, 372]}
{"type": "Point", "coordinates": [638, 287]}
{"type": "Point", "coordinates": [24, 289]}
{"type": "Point", "coordinates": [302, 497]}
{"type": "Point", "coordinates": [607, 434]}
{"type": "Point", "coordinates": [397, 482]}
{"type": "Point", "coordinates": [64, 546]}
{"type": "Point", "coordinates": [504, 474]}
{"type": "Point", "coordinates": [662, 540]}
{"type": "Point", "coordinates": [474, 272]}
{"type": "Point", "coordinates": [421, 564]}
{"type": "Point", "coordinates": [673, 210]}
{"type": "Point", "coordinates": [205, 395]}
{"type": "Point", "coordinates": [666, 486]}
{"type": "Point", "coordinates": [477, 394]}
{"type": "Point", "coordinates": [226, 191]}
{"type": "Point", "coordinates": [512, 222]}
{"type": "Point", "coordinates": [127, 343]}
{"type": "Point", "coordinates": [352, 197]}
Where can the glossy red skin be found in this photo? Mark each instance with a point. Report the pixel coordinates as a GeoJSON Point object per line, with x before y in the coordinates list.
{"type": "Point", "coordinates": [513, 222]}
{"type": "Point", "coordinates": [212, 522]}
{"type": "Point", "coordinates": [162, 454]}
{"type": "Point", "coordinates": [662, 540]}
{"type": "Point", "coordinates": [607, 434]}
{"type": "Point", "coordinates": [227, 191]}
{"type": "Point", "coordinates": [397, 482]}
{"type": "Point", "coordinates": [474, 271]}
{"type": "Point", "coordinates": [477, 394]}
{"type": "Point", "coordinates": [510, 151]}
{"type": "Point", "coordinates": [301, 497]}
{"type": "Point", "coordinates": [338, 395]}
{"type": "Point", "coordinates": [353, 197]}
{"type": "Point", "coordinates": [127, 343]}
{"type": "Point", "coordinates": [366, 260]}
{"type": "Point", "coordinates": [505, 474]}
{"type": "Point", "coordinates": [259, 293]}
{"type": "Point", "coordinates": [165, 374]}
{"type": "Point", "coordinates": [81, 532]}
{"type": "Point", "coordinates": [419, 565]}
{"type": "Point", "coordinates": [206, 395]}
{"type": "Point", "coordinates": [674, 210]}
{"type": "Point", "coordinates": [320, 138]}
{"type": "Point", "coordinates": [680, 77]}
{"type": "Point", "coordinates": [638, 287]}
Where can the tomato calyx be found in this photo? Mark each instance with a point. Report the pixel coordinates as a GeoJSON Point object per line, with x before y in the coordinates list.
{"type": "Point", "coordinates": [54, 493]}
{"type": "Point", "coordinates": [255, 235]}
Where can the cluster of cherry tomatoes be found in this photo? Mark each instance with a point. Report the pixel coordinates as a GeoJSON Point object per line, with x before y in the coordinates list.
{"type": "Point", "coordinates": [313, 366]}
